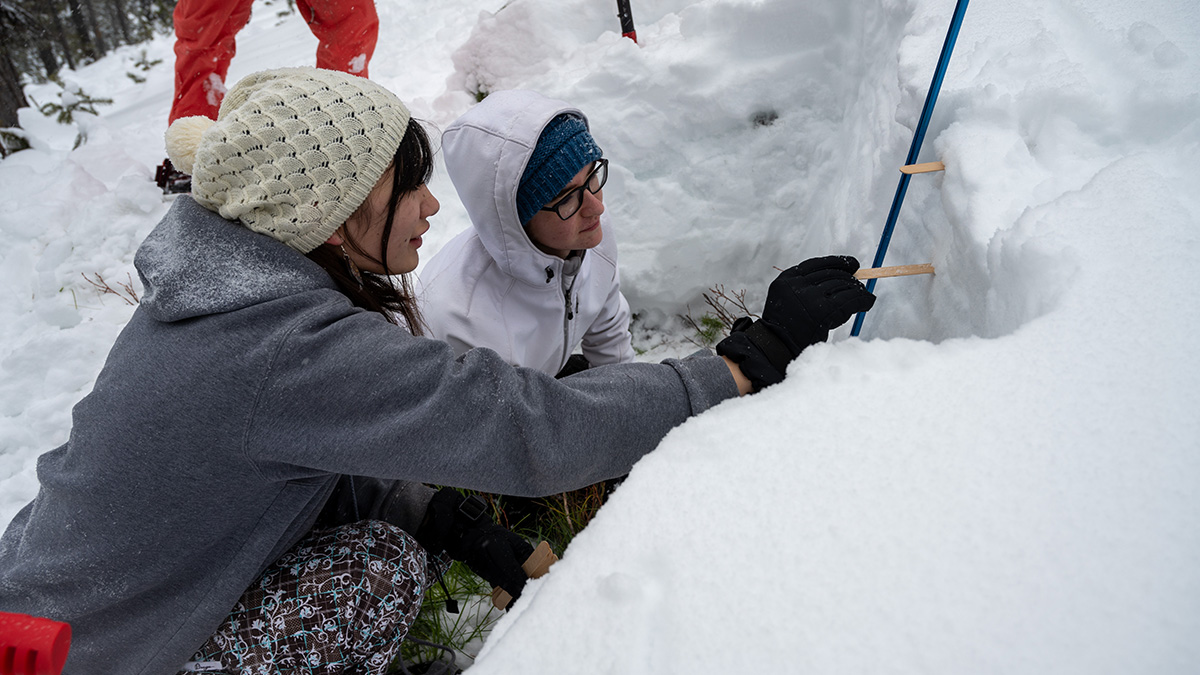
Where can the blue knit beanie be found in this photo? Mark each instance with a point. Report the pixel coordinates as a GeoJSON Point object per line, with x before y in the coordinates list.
{"type": "Point", "coordinates": [564, 148]}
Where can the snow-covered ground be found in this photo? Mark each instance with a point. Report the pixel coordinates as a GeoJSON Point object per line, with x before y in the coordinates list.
{"type": "Point", "coordinates": [1002, 476]}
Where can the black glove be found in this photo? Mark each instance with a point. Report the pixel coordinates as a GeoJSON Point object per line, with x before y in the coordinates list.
{"type": "Point", "coordinates": [459, 526]}
{"type": "Point", "coordinates": [804, 303]}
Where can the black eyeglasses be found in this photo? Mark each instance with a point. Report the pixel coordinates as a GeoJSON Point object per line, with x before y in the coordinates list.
{"type": "Point", "coordinates": [573, 200]}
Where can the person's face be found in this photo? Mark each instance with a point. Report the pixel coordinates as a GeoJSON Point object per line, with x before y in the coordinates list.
{"type": "Point", "coordinates": [559, 237]}
{"type": "Point", "coordinates": [411, 221]}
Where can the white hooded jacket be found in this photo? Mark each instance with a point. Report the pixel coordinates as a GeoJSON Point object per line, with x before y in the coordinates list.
{"type": "Point", "coordinates": [490, 286]}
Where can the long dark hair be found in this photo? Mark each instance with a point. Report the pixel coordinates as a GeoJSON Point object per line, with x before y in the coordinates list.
{"type": "Point", "coordinates": [391, 296]}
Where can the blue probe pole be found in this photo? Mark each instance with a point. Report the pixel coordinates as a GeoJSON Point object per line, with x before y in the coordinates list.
{"type": "Point", "coordinates": [919, 137]}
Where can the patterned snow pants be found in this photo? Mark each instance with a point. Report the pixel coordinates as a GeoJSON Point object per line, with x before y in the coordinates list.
{"type": "Point", "coordinates": [340, 601]}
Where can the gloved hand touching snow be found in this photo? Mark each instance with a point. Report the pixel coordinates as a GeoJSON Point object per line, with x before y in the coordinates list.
{"type": "Point", "coordinates": [804, 303]}
{"type": "Point", "coordinates": [460, 526]}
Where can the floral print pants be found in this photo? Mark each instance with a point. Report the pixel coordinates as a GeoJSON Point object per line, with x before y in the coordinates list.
{"type": "Point", "coordinates": [340, 601]}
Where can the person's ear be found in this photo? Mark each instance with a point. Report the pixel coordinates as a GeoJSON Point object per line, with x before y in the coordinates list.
{"type": "Point", "coordinates": [335, 239]}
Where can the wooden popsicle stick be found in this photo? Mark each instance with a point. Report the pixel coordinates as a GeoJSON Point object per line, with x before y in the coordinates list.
{"type": "Point", "coordinates": [923, 168]}
{"type": "Point", "coordinates": [896, 271]}
{"type": "Point", "coordinates": [537, 564]}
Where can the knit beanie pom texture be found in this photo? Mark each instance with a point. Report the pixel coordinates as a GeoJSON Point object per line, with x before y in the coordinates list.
{"type": "Point", "coordinates": [294, 151]}
{"type": "Point", "coordinates": [183, 138]}
{"type": "Point", "coordinates": [564, 147]}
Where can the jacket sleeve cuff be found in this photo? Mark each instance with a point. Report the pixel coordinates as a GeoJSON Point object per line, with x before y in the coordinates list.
{"type": "Point", "coordinates": [706, 379]}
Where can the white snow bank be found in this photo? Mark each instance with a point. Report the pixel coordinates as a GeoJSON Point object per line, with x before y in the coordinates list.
{"type": "Point", "coordinates": [1001, 478]}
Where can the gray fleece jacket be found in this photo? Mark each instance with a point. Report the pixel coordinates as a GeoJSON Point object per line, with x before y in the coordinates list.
{"type": "Point", "coordinates": [243, 386]}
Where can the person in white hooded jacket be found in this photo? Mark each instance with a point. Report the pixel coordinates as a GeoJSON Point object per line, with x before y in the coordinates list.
{"type": "Point", "coordinates": [536, 276]}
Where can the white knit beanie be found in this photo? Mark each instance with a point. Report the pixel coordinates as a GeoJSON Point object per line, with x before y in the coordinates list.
{"type": "Point", "coordinates": [293, 152]}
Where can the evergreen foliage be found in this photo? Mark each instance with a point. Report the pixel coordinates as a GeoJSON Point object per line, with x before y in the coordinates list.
{"type": "Point", "coordinates": [39, 37]}
{"type": "Point", "coordinates": [464, 631]}
{"type": "Point", "coordinates": [12, 140]}
{"type": "Point", "coordinates": [71, 102]}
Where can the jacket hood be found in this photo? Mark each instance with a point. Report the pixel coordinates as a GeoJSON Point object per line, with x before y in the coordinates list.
{"type": "Point", "coordinates": [486, 152]}
{"type": "Point", "coordinates": [196, 263]}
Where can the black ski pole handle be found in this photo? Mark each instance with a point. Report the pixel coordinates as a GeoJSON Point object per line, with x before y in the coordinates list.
{"type": "Point", "coordinates": [626, 17]}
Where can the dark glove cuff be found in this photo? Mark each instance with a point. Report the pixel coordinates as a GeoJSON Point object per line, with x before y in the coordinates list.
{"type": "Point", "coordinates": [753, 363]}
{"type": "Point", "coordinates": [774, 344]}
{"type": "Point", "coordinates": [773, 341]}
{"type": "Point", "coordinates": [448, 516]}
{"type": "Point", "coordinates": [496, 554]}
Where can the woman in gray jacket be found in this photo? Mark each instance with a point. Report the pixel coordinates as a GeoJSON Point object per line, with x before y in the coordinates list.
{"type": "Point", "coordinates": [187, 524]}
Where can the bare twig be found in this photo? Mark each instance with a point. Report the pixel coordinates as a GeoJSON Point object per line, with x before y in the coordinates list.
{"type": "Point", "coordinates": [726, 308]}
{"type": "Point", "coordinates": [691, 323]}
{"type": "Point", "coordinates": [124, 290]}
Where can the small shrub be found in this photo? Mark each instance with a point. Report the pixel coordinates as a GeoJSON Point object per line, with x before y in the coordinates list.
{"type": "Point", "coordinates": [725, 309]}
{"type": "Point", "coordinates": [144, 63]}
{"type": "Point", "coordinates": [71, 102]}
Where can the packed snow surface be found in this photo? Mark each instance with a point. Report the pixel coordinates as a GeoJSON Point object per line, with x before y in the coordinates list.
{"type": "Point", "coordinates": [1001, 476]}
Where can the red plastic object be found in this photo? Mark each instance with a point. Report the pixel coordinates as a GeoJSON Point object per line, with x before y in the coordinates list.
{"type": "Point", "coordinates": [31, 645]}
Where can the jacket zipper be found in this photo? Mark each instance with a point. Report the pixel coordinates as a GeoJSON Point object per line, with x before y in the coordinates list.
{"type": "Point", "coordinates": [570, 315]}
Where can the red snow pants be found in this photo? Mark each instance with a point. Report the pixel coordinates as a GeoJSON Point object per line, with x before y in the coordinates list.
{"type": "Point", "coordinates": [205, 32]}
